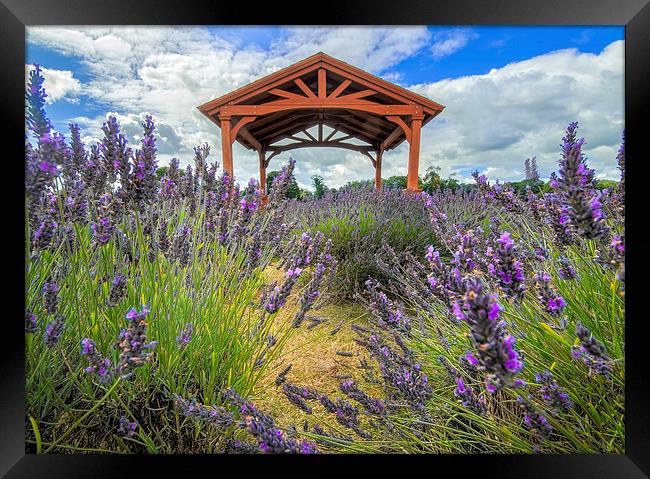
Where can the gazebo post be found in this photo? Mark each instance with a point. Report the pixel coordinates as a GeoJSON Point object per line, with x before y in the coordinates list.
{"type": "Point", "coordinates": [226, 145]}
{"type": "Point", "coordinates": [414, 154]}
{"type": "Point", "coordinates": [262, 157]}
{"type": "Point", "coordinates": [379, 154]}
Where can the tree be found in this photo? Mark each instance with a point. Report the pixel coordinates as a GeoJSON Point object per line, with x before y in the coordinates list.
{"type": "Point", "coordinates": [432, 179]}
{"type": "Point", "coordinates": [394, 182]}
{"type": "Point", "coordinates": [319, 186]}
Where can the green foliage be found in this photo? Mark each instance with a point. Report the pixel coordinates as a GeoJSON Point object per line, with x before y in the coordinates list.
{"type": "Point", "coordinates": [394, 182]}
{"type": "Point", "coordinates": [433, 181]}
{"type": "Point", "coordinates": [360, 184]}
{"type": "Point", "coordinates": [602, 184]}
{"type": "Point", "coordinates": [520, 186]}
{"type": "Point", "coordinates": [319, 186]}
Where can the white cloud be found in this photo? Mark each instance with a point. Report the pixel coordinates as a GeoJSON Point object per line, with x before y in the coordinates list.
{"type": "Point", "coordinates": [491, 121]}
{"type": "Point", "coordinates": [449, 42]}
{"type": "Point", "coordinates": [58, 84]}
{"type": "Point", "coordinates": [499, 119]}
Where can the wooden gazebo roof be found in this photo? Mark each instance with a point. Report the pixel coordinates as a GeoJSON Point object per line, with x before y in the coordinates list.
{"type": "Point", "coordinates": [275, 113]}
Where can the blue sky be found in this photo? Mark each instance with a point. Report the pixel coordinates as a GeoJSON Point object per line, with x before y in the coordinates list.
{"type": "Point", "coordinates": [509, 91]}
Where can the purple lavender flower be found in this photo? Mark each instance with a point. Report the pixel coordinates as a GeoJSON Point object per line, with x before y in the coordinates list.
{"type": "Point", "coordinates": [44, 233]}
{"type": "Point", "coordinates": [495, 349]}
{"type": "Point", "coordinates": [103, 228]}
{"type": "Point", "coordinates": [35, 96]}
{"type": "Point", "coordinates": [383, 309]}
{"type": "Point", "coordinates": [566, 269]}
{"type": "Point", "coordinates": [181, 246]}
{"type": "Point", "coordinates": [118, 290]}
{"type": "Point", "coordinates": [185, 336]}
{"type": "Point", "coordinates": [143, 180]}
{"type": "Point", "coordinates": [51, 297]}
{"type": "Point", "coordinates": [370, 404]}
{"type": "Point", "coordinates": [262, 427]}
{"type": "Point", "coordinates": [97, 363]}
{"type": "Point", "coordinates": [215, 415]}
{"type": "Point", "coordinates": [30, 323]}
{"type": "Point", "coordinates": [126, 428]}
{"type": "Point", "coordinates": [554, 397]}
{"type": "Point", "coordinates": [576, 183]}
{"type": "Point", "coordinates": [401, 372]}
{"type": "Point", "coordinates": [53, 331]}
{"type": "Point", "coordinates": [297, 395]}
{"type": "Point", "coordinates": [534, 421]}
{"type": "Point", "coordinates": [592, 352]}
{"type": "Point", "coordinates": [467, 398]}
{"type": "Point", "coordinates": [282, 377]}
{"type": "Point", "coordinates": [464, 255]}
{"type": "Point", "coordinates": [133, 343]}
{"type": "Point", "coordinates": [325, 265]}
{"type": "Point", "coordinates": [547, 294]}
{"type": "Point", "coordinates": [508, 268]}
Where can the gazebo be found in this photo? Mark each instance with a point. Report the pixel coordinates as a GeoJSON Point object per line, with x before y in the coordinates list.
{"type": "Point", "coordinates": [363, 113]}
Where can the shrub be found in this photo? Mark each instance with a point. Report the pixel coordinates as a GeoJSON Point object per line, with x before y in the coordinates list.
{"type": "Point", "coordinates": [359, 221]}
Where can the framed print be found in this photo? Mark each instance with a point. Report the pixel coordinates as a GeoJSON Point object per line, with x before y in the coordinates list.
{"type": "Point", "coordinates": [394, 233]}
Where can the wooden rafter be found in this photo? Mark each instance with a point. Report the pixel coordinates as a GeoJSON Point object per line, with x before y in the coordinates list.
{"type": "Point", "coordinates": [357, 95]}
{"type": "Point", "coordinates": [339, 89]}
{"type": "Point", "coordinates": [322, 83]}
{"type": "Point", "coordinates": [304, 88]}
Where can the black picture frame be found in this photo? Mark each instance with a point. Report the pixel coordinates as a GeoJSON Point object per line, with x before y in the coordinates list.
{"type": "Point", "coordinates": [634, 14]}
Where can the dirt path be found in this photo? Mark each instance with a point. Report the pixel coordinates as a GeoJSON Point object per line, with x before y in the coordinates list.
{"type": "Point", "coordinates": [314, 359]}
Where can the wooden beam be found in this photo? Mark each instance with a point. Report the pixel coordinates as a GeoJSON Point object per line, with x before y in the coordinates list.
{"type": "Point", "coordinates": [318, 144]}
{"type": "Point", "coordinates": [339, 89]}
{"type": "Point", "coordinates": [261, 154]}
{"type": "Point", "coordinates": [304, 88]}
{"type": "Point", "coordinates": [243, 131]}
{"type": "Point", "coordinates": [397, 132]}
{"type": "Point", "coordinates": [361, 105]}
{"type": "Point", "coordinates": [332, 133]}
{"type": "Point", "coordinates": [378, 121]}
{"type": "Point", "coordinates": [414, 156]}
{"type": "Point", "coordinates": [226, 147]}
{"type": "Point", "coordinates": [286, 132]}
{"type": "Point", "coordinates": [240, 124]}
{"type": "Point", "coordinates": [286, 94]}
{"type": "Point", "coordinates": [357, 95]}
{"type": "Point", "coordinates": [265, 128]}
{"type": "Point", "coordinates": [322, 83]}
{"type": "Point", "coordinates": [363, 125]}
{"type": "Point", "coordinates": [403, 126]}
{"type": "Point", "coordinates": [378, 157]}
{"type": "Point", "coordinates": [309, 135]}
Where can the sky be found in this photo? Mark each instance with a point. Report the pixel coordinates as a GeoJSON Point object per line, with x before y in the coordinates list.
{"type": "Point", "coordinates": [509, 92]}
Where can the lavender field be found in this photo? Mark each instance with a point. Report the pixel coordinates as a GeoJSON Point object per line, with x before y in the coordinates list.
{"type": "Point", "coordinates": [169, 311]}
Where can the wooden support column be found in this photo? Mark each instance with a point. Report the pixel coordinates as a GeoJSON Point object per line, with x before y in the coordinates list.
{"type": "Point", "coordinates": [226, 145]}
{"type": "Point", "coordinates": [378, 156]}
{"type": "Point", "coordinates": [414, 154]}
{"type": "Point", "coordinates": [265, 198]}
